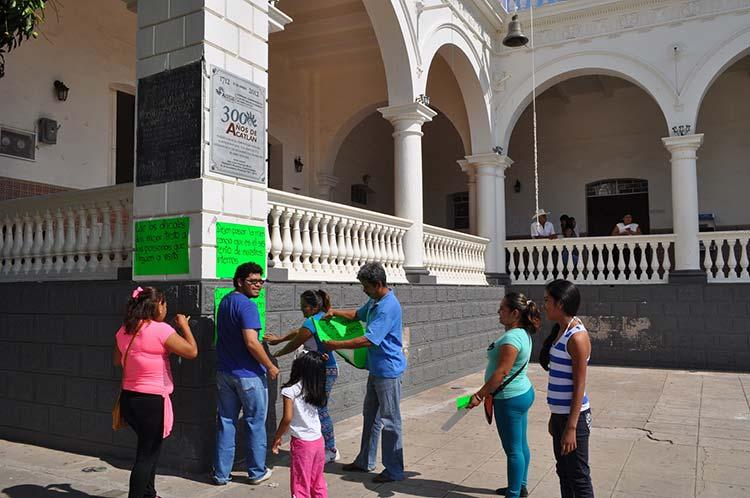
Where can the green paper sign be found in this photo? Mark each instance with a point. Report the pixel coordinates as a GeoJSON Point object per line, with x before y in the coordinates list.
{"type": "Point", "coordinates": [340, 329]}
{"type": "Point", "coordinates": [161, 246]}
{"type": "Point", "coordinates": [220, 292]}
{"type": "Point", "coordinates": [463, 401]}
{"type": "Point", "coordinates": [237, 244]}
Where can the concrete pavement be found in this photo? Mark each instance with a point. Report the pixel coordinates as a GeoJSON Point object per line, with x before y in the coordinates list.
{"type": "Point", "coordinates": [657, 433]}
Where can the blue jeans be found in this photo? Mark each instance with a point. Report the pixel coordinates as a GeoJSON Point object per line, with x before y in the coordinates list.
{"type": "Point", "coordinates": [382, 401]}
{"type": "Point", "coordinates": [251, 395]}
{"type": "Point", "coordinates": [511, 419]}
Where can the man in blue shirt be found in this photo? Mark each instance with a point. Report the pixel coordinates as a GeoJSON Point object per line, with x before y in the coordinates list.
{"type": "Point", "coordinates": [386, 363]}
{"type": "Point", "coordinates": [242, 370]}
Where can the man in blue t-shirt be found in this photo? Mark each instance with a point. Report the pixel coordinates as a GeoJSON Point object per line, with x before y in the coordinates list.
{"type": "Point", "coordinates": [242, 370]}
{"type": "Point", "coordinates": [386, 363]}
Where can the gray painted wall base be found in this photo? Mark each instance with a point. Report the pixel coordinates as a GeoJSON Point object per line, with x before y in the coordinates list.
{"type": "Point", "coordinates": [58, 385]}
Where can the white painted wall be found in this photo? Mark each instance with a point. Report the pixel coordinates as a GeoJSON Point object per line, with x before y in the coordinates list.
{"type": "Point", "coordinates": [90, 48]}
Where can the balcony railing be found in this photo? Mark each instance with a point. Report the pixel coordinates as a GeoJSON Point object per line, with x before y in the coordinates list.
{"type": "Point", "coordinates": [454, 257]}
{"type": "Point", "coordinates": [725, 256]}
{"type": "Point", "coordinates": [73, 235]}
{"type": "Point", "coordinates": [641, 259]}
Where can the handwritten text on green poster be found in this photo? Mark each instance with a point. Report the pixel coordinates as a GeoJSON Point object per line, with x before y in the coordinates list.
{"type": "Point", "coordinates": [237, 244]}
{"type": "Point", "coordinates": [161, 246]}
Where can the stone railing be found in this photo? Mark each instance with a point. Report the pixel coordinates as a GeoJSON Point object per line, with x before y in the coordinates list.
{"type": "Point", "coordinates": [319, 240]}
{"type": "Point", "coordinates": [638, 259]}
{"type": "Point", "coordinates": [73, 235]}
{"type": "Point", "coordinates": [454, 257]}
{"type": "Point", "coordinates": [724, 256]}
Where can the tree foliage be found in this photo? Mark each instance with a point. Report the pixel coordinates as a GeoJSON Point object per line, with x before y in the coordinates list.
{"type": "Point", "coordinates": [18, 22]}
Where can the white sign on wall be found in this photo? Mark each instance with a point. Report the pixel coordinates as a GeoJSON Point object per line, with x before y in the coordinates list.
{"type": "Point", "coordinates": [238, 117]}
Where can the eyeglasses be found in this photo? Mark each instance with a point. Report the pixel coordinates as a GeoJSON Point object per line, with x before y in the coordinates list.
{"type": "Point", "coordinates": [259, 281]}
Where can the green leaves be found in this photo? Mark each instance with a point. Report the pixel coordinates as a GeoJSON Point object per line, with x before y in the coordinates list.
{"type": "Point", "coordinates": [18, 22]}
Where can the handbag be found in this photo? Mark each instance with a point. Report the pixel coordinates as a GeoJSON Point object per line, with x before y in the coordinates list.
{"type": "Point", "coordinates": [488, 400]}
{"type": "Point", "coordinates": [118, 421]}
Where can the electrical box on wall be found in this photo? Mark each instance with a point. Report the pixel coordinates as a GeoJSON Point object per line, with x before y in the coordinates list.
{"type": "Point", "coordinates": [20, 144]}
{"type": "Point", "coordinates": [47, 131]}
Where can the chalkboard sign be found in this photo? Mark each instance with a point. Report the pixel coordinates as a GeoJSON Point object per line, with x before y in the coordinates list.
{"type": "Point", "coordinates": [170, 137]}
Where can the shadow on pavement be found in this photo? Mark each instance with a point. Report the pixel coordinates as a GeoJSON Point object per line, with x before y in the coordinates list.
{"type": "Point", "coordinates": [428, 488]}
{"type": "Point", "coordinates": [50, 491]}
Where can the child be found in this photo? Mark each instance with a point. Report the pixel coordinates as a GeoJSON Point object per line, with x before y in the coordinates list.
{"type": "Point", "coordinates": [303, 394]}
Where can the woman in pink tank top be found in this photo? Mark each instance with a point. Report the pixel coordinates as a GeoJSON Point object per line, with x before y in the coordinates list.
{"type": "Point", "coordinates": [142, 347]}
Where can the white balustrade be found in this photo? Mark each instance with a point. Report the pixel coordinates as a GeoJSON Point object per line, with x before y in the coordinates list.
{"type": "Point", "coordinates": [74, 235]}
{"type": "Point", "coordinates": [454, 257]}
{"type": "Point", "coordinates": [323, 241]}
{"type": "Point", "coordinates": [638, 259]}
{"type": "Point", "coordinates": [725, 255]}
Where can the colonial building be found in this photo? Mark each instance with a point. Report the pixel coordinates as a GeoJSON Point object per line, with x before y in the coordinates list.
{"type": "Point", "coordinates": [399, 131]}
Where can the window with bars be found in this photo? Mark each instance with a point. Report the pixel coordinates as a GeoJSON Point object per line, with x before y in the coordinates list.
{"type": "Point", "coordinates": [458, 210]}
{"type": "Point", "coordinates": [618, 186]}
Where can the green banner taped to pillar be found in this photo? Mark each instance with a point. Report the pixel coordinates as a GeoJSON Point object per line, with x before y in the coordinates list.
{"type": "Point", "coordinates": [237, 244]}
{"type": "Point", "coordinates": [161, 247]}
{"type": "Point", "coordinates": [220, 292]}
{"type": "Point", "coordinates": [341, 329]}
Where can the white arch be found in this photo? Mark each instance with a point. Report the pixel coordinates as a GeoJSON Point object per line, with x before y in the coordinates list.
{"type": "Point", "coordinates": [584, 64]}
{"type": "Point", "coordinates": [472, 77]}
{"type": "Point", "coordinates": [334, 144]}
{"type": "Point", "coordinates": [396, 39]}
{"type": "Point", "coordinates": [703, 75]}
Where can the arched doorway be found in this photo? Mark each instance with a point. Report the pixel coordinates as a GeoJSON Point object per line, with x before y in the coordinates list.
{"type": "Point", "coordinates": [589, 128]}
{"type": "Point", "coordinates": [723, 166]}
{"type": "Point", "coordinates": [611, 199]}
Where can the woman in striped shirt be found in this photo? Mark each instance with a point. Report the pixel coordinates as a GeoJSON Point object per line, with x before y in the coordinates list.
{"type": "Point", "coordinates": [566, 354]}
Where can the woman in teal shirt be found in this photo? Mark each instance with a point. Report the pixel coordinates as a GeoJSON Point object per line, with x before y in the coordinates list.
{"type": "Point", "coordinates": [507, 361]}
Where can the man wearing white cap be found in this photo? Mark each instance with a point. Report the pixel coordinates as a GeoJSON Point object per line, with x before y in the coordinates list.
{"type": "Point", "coordinates": [541, 228]}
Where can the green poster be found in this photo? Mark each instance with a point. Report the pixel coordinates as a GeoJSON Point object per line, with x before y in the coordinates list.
{"type": "Point", "coordinates": [237, 244]}
{"type": "Point", "coordinates": [161, 246]}
{"type": "Point", "coordinates": [220, 292]}
{"type": "Point", "coordinates": [340, 329]}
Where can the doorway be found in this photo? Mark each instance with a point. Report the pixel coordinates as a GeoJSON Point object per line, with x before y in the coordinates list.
{"type": "Point", "coordinates": [607, 201]}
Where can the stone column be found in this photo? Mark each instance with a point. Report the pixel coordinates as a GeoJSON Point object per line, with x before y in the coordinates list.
{"type": "Point", "coordinates": [471, 183]}
{"type": "Point", "coordinates": [685, 205]}
{"type": "Point", "coordinates": [177, 46]}
{"type": "Point", "coordinates": [326, 184]}
{"type": "Point", "coordinates": [407, 123]}
{"type": "Point", "coordinates": [504, 162]}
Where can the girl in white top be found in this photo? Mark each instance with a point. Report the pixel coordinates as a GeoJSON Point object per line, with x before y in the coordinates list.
{"type": "Point", "coordinates": [627, 227]}
{"type": "Point", "coordinates": [303, 394]}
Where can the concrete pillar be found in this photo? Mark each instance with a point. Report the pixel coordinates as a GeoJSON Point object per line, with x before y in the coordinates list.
{"type": "Point", "coordinates": [407, 123]}
{"type": "Point", "coordinates": [175, 173]}
{"type": "Point", "coordinates": [685, 202]}
{"type": "Point", "coordinates": [326, 184]}
{"type": "Point", "coordinates": [490, 179]}
{"type": "Point", "coordinates": [471, 184]}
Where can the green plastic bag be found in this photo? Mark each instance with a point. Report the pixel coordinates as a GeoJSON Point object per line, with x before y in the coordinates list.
{"type": "Point", "coordinates": [463, 401]}
{"type": "Point", "coordinates": [341, 329]}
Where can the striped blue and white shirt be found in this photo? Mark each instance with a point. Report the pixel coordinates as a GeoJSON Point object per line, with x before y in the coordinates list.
{"type": "Point", "coordinates": [560, 385]}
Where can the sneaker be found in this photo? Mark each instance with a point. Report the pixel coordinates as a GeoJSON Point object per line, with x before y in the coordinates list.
{"type": "Point", "coordinates": [333, 455]}
{"type": "Point", "coordinates": [353, 467]}
{"type": "Point", "coordinates": [262, 478]}
{"type": "Point", "coordinates": [504, 491]}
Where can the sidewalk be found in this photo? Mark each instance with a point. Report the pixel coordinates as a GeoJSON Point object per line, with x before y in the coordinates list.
{"type": "Point", "coordinates": [657, 433]}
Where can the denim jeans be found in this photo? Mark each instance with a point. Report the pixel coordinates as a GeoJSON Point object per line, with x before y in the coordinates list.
{"type": "Point", "coordinates": [383, 401]}
{"type": "Point", "coordinates": [573, 468]}
{"type": "Point", "coordinates": [251, 395]}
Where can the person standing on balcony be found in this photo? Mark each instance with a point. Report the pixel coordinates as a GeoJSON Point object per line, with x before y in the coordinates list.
{"type": "Point", "coordinates": [142, 347]}
{"type": "Point", "coordinates": [627, 227]}
{"type": "Point", "coordinates": [565, 354]}
{"type": "Point", "coordinates": [509, 388]}
{"type": "Point", "coordinates": [386, 362]}
{"type": "Point", "coordinates": [541, 228]}
{"type": "Point", "coordinates": [314, 304]}
{"type": "Point", "coordinates": [243, 370]}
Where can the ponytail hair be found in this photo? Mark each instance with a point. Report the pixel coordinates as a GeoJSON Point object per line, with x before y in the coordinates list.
{"type": "Point", "coordinates": [531, 318]}
{"type": "Point", "coordinates": [317, 299]}
{"type": "Point", "coordinates": [569, 297]}
{"type": "Point", "coordinates": [142, 305]}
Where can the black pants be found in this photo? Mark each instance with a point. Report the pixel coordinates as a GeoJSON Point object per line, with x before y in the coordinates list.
{"type": "Point", "coordinates": [573, 468]}
{"type": "Point", "coordinates": [145, 414]}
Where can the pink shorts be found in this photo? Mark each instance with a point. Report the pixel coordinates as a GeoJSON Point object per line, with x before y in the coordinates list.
{"type": "Point", "coordinates": [308, 459]}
